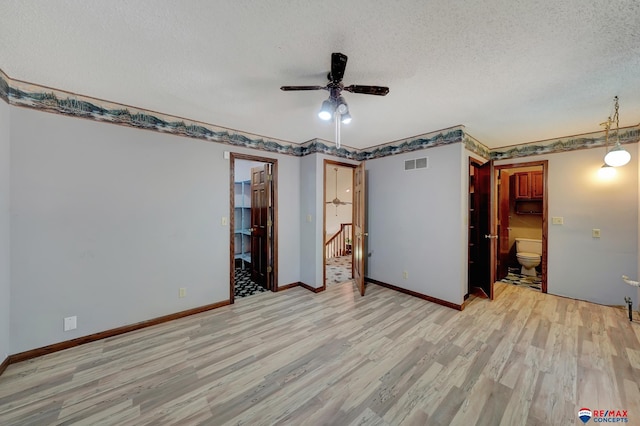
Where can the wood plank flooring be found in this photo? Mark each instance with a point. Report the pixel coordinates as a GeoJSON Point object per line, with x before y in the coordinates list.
{"type": "Point", "coordinates": [299, 358]}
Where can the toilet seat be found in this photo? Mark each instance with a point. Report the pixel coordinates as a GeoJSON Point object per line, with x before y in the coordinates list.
{"type": "Point", "coordinates": [528, 255]}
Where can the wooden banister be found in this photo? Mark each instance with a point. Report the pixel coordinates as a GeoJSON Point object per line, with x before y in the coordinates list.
{"type": "Point", "coordinates": [340, 243]}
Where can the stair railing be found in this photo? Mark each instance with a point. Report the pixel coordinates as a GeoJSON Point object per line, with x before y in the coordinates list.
{"type": "Point", "coordinates": [340, 243]}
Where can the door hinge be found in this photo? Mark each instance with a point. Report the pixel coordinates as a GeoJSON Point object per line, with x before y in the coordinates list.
{"type": "Point", "coordinates": [269, 269]}
{"type": "Point", "coordinates": [269, 223]}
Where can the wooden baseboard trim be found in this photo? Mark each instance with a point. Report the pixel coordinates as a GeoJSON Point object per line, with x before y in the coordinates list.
{"type": "Point", "coordinates": [308, 287]}
{"type": "Point", "coordinates": [288, 286]}
{"type": "Point", "coordinates": [4, 365]}
{"type": "Point", "coordinates": [34, 353]}
{"type": "Point", "coordinates": [416, 294]}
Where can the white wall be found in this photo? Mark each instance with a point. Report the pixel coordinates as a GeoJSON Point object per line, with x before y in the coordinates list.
{"type": "Point", "coordinates": [417, 222]}
{"type": "Point", "coordinates": [311, 210]}
{"type": "Point", "coordinates": [311, 221]}
{"type": "Point", "coordinates": [334, 217]}
{"type": "Point", "coordinates": [5, 264]}
{"type": "Point", "coordinates": [580, 266]}
{"type": "Point", "coordinates": [243, 169]}
{"type": "Point", "coordinates": [109, 222]}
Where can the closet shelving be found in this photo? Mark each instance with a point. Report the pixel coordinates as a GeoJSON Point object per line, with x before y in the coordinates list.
{"type": "Point", "coordinates": [242, 219]}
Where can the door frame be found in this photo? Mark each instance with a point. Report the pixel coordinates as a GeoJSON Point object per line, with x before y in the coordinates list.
{"type": "Point", "coordinates": [545, 205]}
{"type": "Point", "coordinates": [274, 172]}
{"type": "Point", "coordinates": [324, 214]}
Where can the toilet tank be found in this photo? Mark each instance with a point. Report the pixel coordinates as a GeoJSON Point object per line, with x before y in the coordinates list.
{"type": "Point", "coordinates": [527, 245]}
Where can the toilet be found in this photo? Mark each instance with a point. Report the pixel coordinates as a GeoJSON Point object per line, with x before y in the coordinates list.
{"type": "Point", "coordinates": [529, 253]}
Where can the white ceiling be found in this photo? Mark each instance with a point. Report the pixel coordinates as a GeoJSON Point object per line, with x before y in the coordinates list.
{"type": "Point", "coordinates": [511, 71]}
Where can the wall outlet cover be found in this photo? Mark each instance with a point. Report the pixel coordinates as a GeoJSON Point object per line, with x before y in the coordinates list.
{"type": "Point", "coordinates": [70, 323]}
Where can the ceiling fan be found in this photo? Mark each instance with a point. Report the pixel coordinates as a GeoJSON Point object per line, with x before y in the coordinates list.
{"type": "Point", "coordinates": [335, 106]}
{"type": "Point", "coordinates": [336, 201]}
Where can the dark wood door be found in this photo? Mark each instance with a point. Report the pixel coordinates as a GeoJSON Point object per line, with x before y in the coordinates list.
{"type": "Point", "coordinates": [487, 228]}
{"type": "Point", "coordinates": [504, 217]}
{"type": "Point", "coordinates": [261, 226]}
{"type": "Point", "coordinates": [359, 203]}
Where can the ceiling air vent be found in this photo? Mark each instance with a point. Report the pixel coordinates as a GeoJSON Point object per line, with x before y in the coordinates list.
{"type": "Point", "coordinates": [416, 163]}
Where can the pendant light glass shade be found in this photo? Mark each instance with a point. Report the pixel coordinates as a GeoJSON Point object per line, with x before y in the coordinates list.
{"type": "Point", "coordinates": [606, 172]}
{"type": "Point", "coordinates": [618, 156]}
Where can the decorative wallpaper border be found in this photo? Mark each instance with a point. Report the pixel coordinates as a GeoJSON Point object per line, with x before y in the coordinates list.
{"type": "Point", "coordinates": [569, 143]}
{"type": "Point", "coordinates": [428, 140]}
{"type": "Point", "coordinates": [16, 92]}
{"type": "Point", "coordinates": [475, 146]}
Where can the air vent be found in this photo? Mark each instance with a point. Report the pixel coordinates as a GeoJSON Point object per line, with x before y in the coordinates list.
{"type": "Point", "coordinates": [410, 164]}
{"type": "Point", "coordinates": [416, 163]}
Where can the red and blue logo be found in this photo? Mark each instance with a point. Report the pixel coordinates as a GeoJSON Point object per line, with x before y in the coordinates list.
{"type": "Point", "coordinates": [603, 416]}
{"type": "Point", "coordinates": [585, 415]}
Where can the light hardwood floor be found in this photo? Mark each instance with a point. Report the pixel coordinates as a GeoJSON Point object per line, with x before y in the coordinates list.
{"type": "Point", "coordinates": [336, 358]}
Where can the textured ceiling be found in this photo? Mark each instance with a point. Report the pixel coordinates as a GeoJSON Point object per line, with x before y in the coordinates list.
{"type": "Point", "coordinates": [511, 71]}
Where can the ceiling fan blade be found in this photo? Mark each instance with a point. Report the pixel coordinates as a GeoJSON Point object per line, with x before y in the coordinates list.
{"type": "Point", "coordinates": [367, 90]}
{"type": "Point", "coordinates": [288, 88]}
{"type": "Point", "coordinates": [338, 65]}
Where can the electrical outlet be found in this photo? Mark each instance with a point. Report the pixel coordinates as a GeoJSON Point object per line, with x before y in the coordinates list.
{"type": "Point", "coordinates": [405, 275]}
{"type": "Point", "coordinates": [182, 292]}
{"type": "Point", "coordinates": [557, 220]}
{"type": "Point", "coordinates": [70, 323]}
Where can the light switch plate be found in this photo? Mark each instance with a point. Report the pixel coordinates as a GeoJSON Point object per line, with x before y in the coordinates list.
{"type": "Point", "coordinates": [557, 220]}
{"type": "Point", "coordinates": [595, 233]}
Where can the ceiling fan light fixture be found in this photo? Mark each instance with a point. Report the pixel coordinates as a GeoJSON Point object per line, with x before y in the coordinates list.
{"type": "Point", "coordinates": [346, 118]}
{"type": "Point", "coordinates": [326, 111]}
{"type": "Point", "coordinates": [341, 106]}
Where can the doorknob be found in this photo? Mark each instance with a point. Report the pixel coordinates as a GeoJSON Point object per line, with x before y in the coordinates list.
{"type": "Point", "coordinates": [491, 236]}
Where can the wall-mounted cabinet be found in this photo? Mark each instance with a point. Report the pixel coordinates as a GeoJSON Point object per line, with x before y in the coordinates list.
{"type": "Point", "coordinates": [528, 186]}
{"type": "Point", "coordinates": [528, 192]}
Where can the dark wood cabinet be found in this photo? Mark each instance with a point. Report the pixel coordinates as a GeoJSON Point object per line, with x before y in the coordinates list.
{"type": "Point", "coordinates": [528, 185]}
{"type": "Point", "coordinates": [537, 185]}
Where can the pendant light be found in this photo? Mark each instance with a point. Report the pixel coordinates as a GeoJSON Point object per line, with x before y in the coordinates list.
{"type": "Point", "coordinates": [617, 156]}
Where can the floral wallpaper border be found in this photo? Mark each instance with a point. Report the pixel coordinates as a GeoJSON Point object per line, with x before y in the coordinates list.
{"type": "Point", "coordinates": [30, 95]}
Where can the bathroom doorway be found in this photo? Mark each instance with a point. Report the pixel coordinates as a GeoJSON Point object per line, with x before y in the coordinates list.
{"type": "Point", "coordinates": [521, 219]}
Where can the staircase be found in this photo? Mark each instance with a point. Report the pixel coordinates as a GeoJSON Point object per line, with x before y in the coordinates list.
{"type": "Point", "coordinates": [340, 243]}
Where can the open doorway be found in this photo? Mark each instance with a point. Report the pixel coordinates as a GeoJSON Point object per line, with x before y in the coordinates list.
{"type": "Point", "coordinates": [521, 201]}
{"type": "Point", "coordinates": [253, 225]}
{"type": "Point", "coordinates": [507, 226]}
{"type": "Point", "coordinates": [338, 222]}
